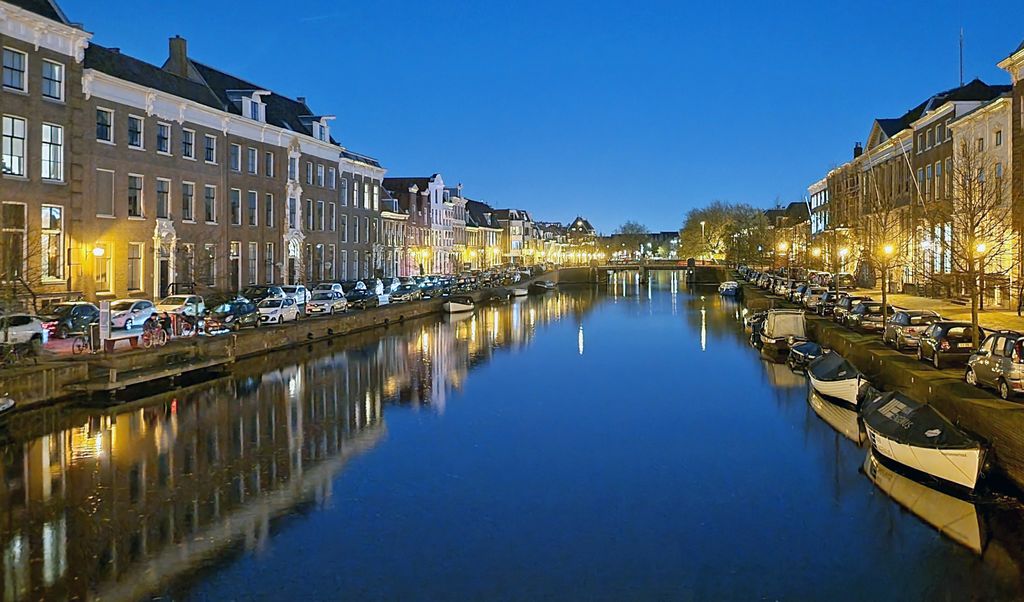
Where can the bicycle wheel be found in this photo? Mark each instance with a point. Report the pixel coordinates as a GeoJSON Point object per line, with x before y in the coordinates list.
{"type": "Point", "coordinates": [161, 337]}
{"type": "Point", "coordinates": [147, 339]}
{"type": "Point", "coordinates": [79, 345]}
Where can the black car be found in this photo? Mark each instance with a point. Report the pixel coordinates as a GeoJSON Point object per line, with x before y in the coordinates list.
{"type": "Point", "coordinates": [866, 316]}
{"type": "Point", "coordinates": [259, 293]}
{"type": "Point", "coordinates": [362, 299]}
{"type": "Point", "coordinates": [842, 309]}
{"type": "Point", "coordinates": [946, 341]}
{"type": "Point", "coordinates": [232, 314]}
{"type": "Point", "coordinates": [66, 318]}
{"type": "Point", "coordinates": [406, 292]}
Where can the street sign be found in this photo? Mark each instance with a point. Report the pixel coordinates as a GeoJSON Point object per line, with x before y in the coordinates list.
{"type": "Point", "coordinates": [104, 320]}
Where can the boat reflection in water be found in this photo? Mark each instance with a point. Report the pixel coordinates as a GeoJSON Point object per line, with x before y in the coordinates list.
{"type": "Point", "coordinates": [121, 503]}
{"type": "Point", "coordinates": [844, 420]}
{"type": "Point", "coordinates": [781, 376]}
{"type": "Point", "coordinates": [955, 518]}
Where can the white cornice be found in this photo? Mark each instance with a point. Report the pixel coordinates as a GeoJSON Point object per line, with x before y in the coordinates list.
{"type": "Point", "coordinates": [41, 32]}
{"type": "Point", "coordinates": [170, 107]}
{"type": "Point", "coordinates": [1014, 65]}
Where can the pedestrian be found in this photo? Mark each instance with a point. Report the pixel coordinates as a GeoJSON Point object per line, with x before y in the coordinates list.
{"type": "Point", "coordinates": [1020, 299]}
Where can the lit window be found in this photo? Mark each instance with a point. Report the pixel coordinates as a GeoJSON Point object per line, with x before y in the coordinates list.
{"type": "Point", "coordinates": [14, 146]}
{"type": "Point", "coordinates": [52, 227]}
{"type": "Point", "coordinates": [53, 152]}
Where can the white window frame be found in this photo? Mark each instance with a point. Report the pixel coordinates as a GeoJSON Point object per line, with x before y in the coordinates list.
{"type": "Point", "coordinates": [192, 204]}
{"type": "Point", "coordinates": [309, 173]}
{"type": "Point", "coordinates": [252, 262]}
{"type": "Point", "coordinates": [142, 197]}
{"type": "Point", "coordinates": [332, 216]}
{"type": "Point", "coordinates": [344, 228]}
{"type": "Point", "coordinates": [207, 187]}
{"type": "Point", "coordinates": [59, 232]}
{"type": "Point", "coordinates": [24, 71]}
{"type": "Point", "coordinates": [110, 113]}
{"type": "Point", "coordinates": [210, 260]}
{"type": "Point", "coordinates": [142, 132]}
{"type": "Point", "coordinates": [268, 262]}
{"type": "Point", "coordinates": [141, 268]}
{"type": "Point", "coordinates": [24, 146]}
{"type": "Point", "coordinates": [235, 160]}
{"type": "Point", "coordinates": [156, 198]}
{"type": "Point", "coordinates": [268, 209]}
{"type": "Point", "coordinates": [185, 133]}
{"type": "Point", "coordinates": [252, 160]}
{"type": "Point", "coordinates": [231, 219]}
{"type": "Point", "coordinates": [170, 138]}
{"type": "Point", "coordinates": [320, 175]}
{"type": "Point", "coordinates": [206, 138]}
{"type": "Point", "coordinates": [62, 80]}
{"type": "Point", "coordinates": [107, 259]}
{"type": "Point", "coordinates": [253, 210]}
{"type": "Point", "coordinates": [332, 177]}
{"type": "Point", "coordinates": [269, 167]}
{"type": "Point", "coordinates": [343, 193]}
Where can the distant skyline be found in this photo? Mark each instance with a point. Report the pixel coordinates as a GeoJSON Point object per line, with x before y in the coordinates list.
{"type": "Point", "coordinates": [608, 110]}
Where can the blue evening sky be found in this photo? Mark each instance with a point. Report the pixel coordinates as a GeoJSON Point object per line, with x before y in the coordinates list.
{"type": "Point", "coordinates": [613, 110]}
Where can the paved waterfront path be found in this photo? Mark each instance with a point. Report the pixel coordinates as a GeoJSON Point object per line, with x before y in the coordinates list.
{"type": "Point", "coordinates": [992, 319]}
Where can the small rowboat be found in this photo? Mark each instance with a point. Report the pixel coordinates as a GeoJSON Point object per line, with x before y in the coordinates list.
{"type": "Point", "coordinates": [520, 292]}
{"type": "Point", "coordinates": [6, 404]}
{"type": "Point", "coordinates": [834, 377]}
{"type": "Point", "coordinates": [918, 437]}
{"type": "Point", "coordinates": [458, 304]}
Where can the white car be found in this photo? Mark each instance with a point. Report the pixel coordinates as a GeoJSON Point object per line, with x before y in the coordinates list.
{"type": "Point", "coordinates": [130, 313]}
{"type": "Point", "coordinates": [327, 286]}
{"type": "Point", "coordinates": [297, 292]}
{"type": "Point", "coordinates": [22, 328]}
{"type": "Point", "coordinates": [324, 303]}
{"type": "Point", "coordinates": [187, 305]}
{"type": "Point", "coordinates": [278, 311]}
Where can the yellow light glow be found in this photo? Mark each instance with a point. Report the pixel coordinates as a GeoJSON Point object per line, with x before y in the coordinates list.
{"type": "Point", "coordinates": [844, 252]}
{"type": "Point", "coordinates": [888, 249]}
{"type": "Point", "coordinates": [783, 246]}
{"type": "Point", "coordinates": [982, 247]}
{"type": "Point", "coordinates": [98, 251]}
{"type": "Point", "coordinates": [816, 252]}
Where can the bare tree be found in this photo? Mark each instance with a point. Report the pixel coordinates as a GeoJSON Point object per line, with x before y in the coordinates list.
{"type": "Point", "coordinates": [883, 241]}
{"type": "Point", "coordinates": [972, 228]}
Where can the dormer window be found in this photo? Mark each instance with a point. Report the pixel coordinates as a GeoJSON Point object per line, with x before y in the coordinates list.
{"type": "Point", "coordinates": [253, 106]}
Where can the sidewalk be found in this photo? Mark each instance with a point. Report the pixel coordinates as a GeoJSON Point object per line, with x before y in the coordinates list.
{"type": "Point", "coordinates": [991, 319]}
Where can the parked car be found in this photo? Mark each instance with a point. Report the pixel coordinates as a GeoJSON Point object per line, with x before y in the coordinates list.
{"type": "Point", "coordinates": [278, 310]}
{"type": "Point", "coordinates": [828, 301]}
{"type": "Point", "coordinates": [845, 306]}
{"type": "Point", "coordinates": [351, 285]}
{"type": "Point", "coordinates": [375, 285]}
{"type": "Point", "coordinates": [796, 292]}
{"type": "Point", "coordinates": [998, 363]}
{"type": "Point", "coordinates": [188, 305]}
{"type": "Point", "coordinates": [129, 313]}
{"type": "Point", "coordinates": [65, 318]}
{"type": "Point", "coordinates": [327, 286]}
{"type": "Point", "coordinates": [326, 303]}
{"type": "Point", "coordinates": [23, 328]}
{"type": "Point", "coordinates": [812, 296]}
{"type": "Point", "coordinates": [232, 314]}
{"type": "Point", "coordinates": [867, 316]}
{"type": "Point", "coordinates": [406, 292]}
{"type": "Point", "coordinates": [362, 299]}
{"type": "Point", "coordinates": [257, 293]}
{"type": "Point", "coordinates": [391, 285]}
{"type": "Point", "coordinates": [299, 293]}
{"type": "Point", "coordinates": [947, 341]}
{"type": "Point", "coordinates": [906, 325]}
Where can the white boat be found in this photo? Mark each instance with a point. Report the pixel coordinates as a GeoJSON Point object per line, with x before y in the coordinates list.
{"type": "Point", "coordinates": [520, 292]}
{"type": "Point", "coordinates": [458, 304]}
{"type": "Point", "coordinates": [953, 517]}
{"type": "Point", "coordinates": [728, 288]}
{"type": "Point", "coordinates": [917, 436]}
{"type": "Point", "coordinates": [844, 420]}
{"type": "Point", "coordinates": [782, 328]}
{"type": "Point", "coordinates": [832, 376]}
{"type": "Point", "coordinates": [6, 404]}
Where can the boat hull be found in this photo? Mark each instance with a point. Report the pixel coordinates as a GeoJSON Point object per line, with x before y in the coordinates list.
{"type": "Point", "coordinates": [520, 292]}
{"type": "Point", "coordinates": [844, 390]}
{"type": "Point", "coordinates": [844, 420]}
{"type": "Point", "coordinates": [454, 307]}
{"type": "Point", "coordinates": [958, 466]}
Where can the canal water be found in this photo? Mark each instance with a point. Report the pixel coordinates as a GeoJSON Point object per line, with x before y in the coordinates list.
{"type": "Point", "coordinates": [610, 444]}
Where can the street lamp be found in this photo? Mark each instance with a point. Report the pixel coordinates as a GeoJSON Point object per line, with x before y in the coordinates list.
{"type": "Point", "coordinates": [98, 251]}
{"type": "Point", "coordinates": [838, 263]}
{"type": "Point", "coordinates": [784, 247]}
{"type": "Point", "coordinates": [887, 252]}
{"type": "Point", "coordinates": [703, 237]}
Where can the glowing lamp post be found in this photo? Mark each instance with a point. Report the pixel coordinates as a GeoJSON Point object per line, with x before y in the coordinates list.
{"type": "Point", "coordinates": [887, 253]}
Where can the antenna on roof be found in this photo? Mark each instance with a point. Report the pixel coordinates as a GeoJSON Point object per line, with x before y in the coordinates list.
{"type": "Point", "coordinates": [961, 56]}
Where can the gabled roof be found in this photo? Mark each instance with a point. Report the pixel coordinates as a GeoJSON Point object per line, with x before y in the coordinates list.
{"type": "Point", "coordinates": [43, 8]}
{"type": "Point", "coordinates": [114, 63]}
{"type": "Point", "coordinates": [797, 212]}
{"type": "Point", "coordinates": [891, 127]}
{"type": "Point", "coordinates": [507, 214]}
{"type": "Point", "coordinates": [581, 222]}
{"type": "Point", "coordinates": [481, 214]}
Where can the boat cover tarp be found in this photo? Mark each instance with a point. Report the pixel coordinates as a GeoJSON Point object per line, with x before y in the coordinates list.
{"type": "Point", "coordinates": [904, 420]}
{"type": "Point", "coordinates": [785, 324]}
{"type": "Point", "coordinates": [808, 349]}
{"type": "Point", "coordinates": [832, 366]}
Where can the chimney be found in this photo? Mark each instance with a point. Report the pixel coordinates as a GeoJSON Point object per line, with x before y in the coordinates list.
{"type": "Point", "coordinates": [301, 99]}
{"type": "Point", "coordinates": [858, 150]}
{"type": "Point", "coordinates": [177, 61]}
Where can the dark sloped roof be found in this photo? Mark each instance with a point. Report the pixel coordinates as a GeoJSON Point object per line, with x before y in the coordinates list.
{"type": "Point", "coordinates": [481, 214]}
{"type": "Point", "coordinates": [360, 157]}
{"type": "Point", "coordinates": [43, 8]}
{"type": "Point", "coordinates": [397, 185]}
{"type": "Point", "coordinates": [582, 222]}
{"type": "Point", "coordinates": [797, 212]}
{"type": "Point", "coordinates": [131, 69]}
{"type": "Point", "coordinates": [891, 127]}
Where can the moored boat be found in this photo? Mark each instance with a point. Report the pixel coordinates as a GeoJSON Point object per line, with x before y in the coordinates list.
{"type": "Point", "coordinates": [541, 286]}
{"type": "Point", "coordinates": [802, 354]}
{"type": "Point", "coordinates": [520, 292]}
{"type": "Point", "coordinates": [458, 304]}
{"type": "Point", "coordinates": [916, 436]}
{"type": "Point", "coordinates": [728, 288]}
{"type": "Point", "coordinates": [6, 404]}
{"type": "Point", "coordinates": [782, 329]}
{"type": "Point", "coordinates": [834, 377]}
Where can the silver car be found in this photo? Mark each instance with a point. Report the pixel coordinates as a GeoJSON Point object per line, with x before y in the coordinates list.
{"type": "Point", "coordinates": [326, 303]}
{"type": "Point", "coordinates": [998, 363]}
{"type": "Point", "coordinates": [904, 328]}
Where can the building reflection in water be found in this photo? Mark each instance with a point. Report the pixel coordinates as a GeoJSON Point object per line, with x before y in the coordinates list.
{"type": "Point", "coordinates": [120, 503]}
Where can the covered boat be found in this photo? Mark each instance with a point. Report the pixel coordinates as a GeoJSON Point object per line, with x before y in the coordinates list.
{"type": "Point", "coordinates": [844, 420]}
{"type": "Point", "coordinates": [802, 354]}
{"type": "Point", "coordinates": [728, 288]}
{"type": "Point", "coordinates": [782, 329]}
{"type": "Point", "coordinates": [916, 436]}
{"type": "Point", "coordinates": [6, 404]}
{"type": "Point", "coordinates": [498, 295]}
{"type": "Point", "coordinates": [954, 517]}
{"type": "Point", "coordinates": [458, 304]}
{"type": "Point", "coordinates": [542, 286]}
{"type": "Point", "coordinates": [520, 292]}
{"type": "Point", "coordinates": [832, 376]}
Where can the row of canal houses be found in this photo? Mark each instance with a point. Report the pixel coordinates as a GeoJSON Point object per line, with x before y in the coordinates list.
{"type": "Point", "coordinates": [126, 178]}
{"type": "Point", "coordinates": [895, 200]}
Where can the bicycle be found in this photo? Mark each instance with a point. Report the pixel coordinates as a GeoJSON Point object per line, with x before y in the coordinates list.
{"type": "Point", "coordinates": [12, 354]}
